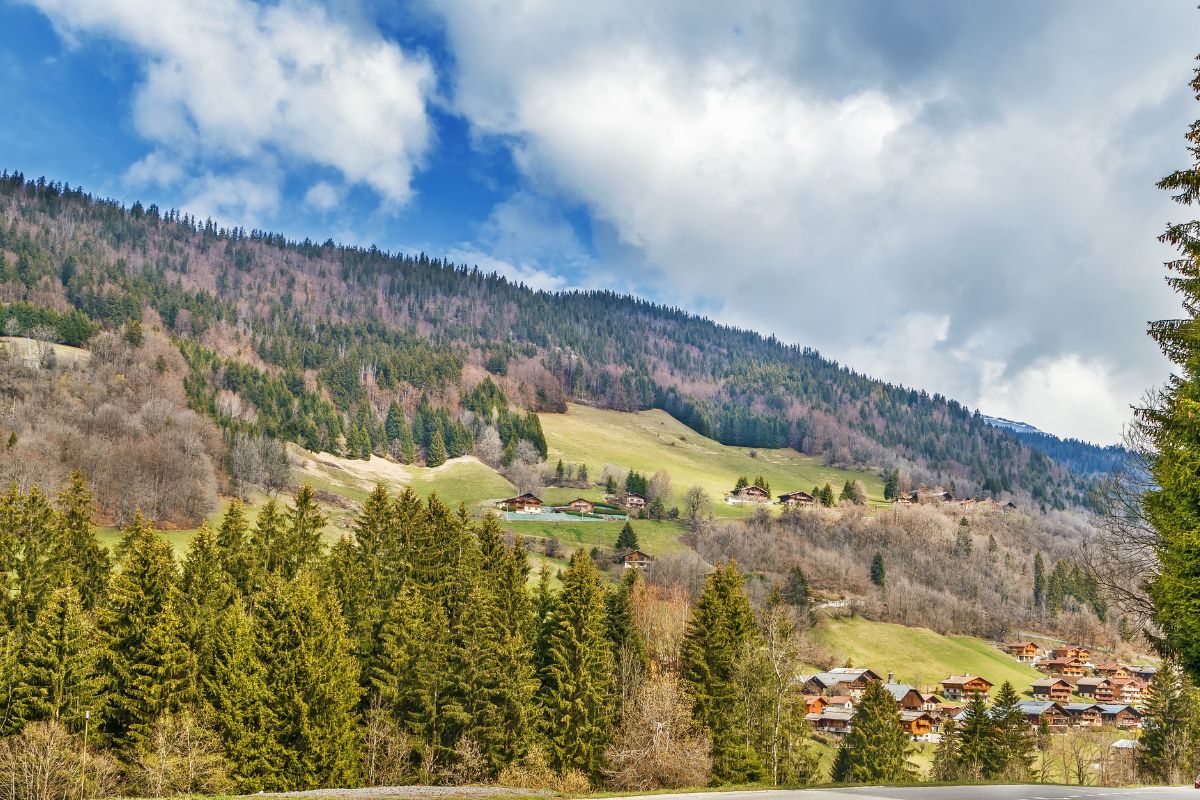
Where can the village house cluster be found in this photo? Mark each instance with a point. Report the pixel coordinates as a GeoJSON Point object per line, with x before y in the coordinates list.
{"type": "Point", "coordinates": [831, 697]}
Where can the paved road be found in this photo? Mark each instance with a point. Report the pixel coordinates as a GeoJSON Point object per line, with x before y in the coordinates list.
{"type": "Point", "coordinates": [1031, 792]}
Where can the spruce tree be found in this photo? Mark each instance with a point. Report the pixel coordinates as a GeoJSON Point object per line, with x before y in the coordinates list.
{"type": "Point", "coordinates": [1039, 581]}
{"type": "Point", "coordinates": [302, 528]}
{"type": "Point", "coordinates": [206, 589]}
{"type": "Point", "coordinates": [721, 629]}
{"type": "Point", "coordinates": [1170, 426]}
{"type": "Point", "coordinates": [878, 571]}
{"type": "Point", "coordinates": [162, 677]}
{"type": "Point", "coordinates": [877, 747]}
{"type": "Point", "coordinates": [233, 541]}
{"type": "Point", "coordinates": [1169, 727]}
{"type": "Point", "coordinates": [268, 542]}
{"type": "Point", "coordinates": [60, 664]}
{"type": "Point", "coordinates": [978, 745]}
{"type": "Point", "coordinates": [577, 688]}
{"type": "Point", "coordinates": [237, 699]}
{"type": "Point", "coordinates": [1014, 740]}
{"type": "Point", "coordinates": [88, 561]}
{"type": "Point", "coordinates": [795, 590]}
{"type": "Point", "coordinates": [945, 756]}
{"type": "Point", "coordinates": [36, 560]}
{"type": "Point", "coordinates": [436, 456]}
{"type": "Point", "coordinates": [627, 539]}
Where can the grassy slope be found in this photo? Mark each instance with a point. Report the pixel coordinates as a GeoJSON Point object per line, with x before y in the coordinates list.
{"type": "Point", "coordinates": [652, 440]}
{"type": "Point", "coordinates": [920, 656]}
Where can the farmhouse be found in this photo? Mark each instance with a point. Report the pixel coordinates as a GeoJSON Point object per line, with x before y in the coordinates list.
{"type": "Point", "coordinates": [1084, 715]}
{"type": "Point", "coordinates": [526, 503]}
{"type": "Point", "coordinates": [635, 500]}
{"type": "Point", "coordinates": [1127, 690]}
{"type": "Point", "coordinates": [633, 559]}
{"type": "Point", "coordinates": [1039, 711]}
{"type": "Point", "coordinates": [927, 495]}
{"type": "Point", "coordinates": [794, 499]}
{"type": "Point", "coordinates": [1111, 669]}
{"type": "Point", "coordinates": [753, 492]}
{"type": "Point", "coordinates": [835, 722]}
{"type": "Point", "coordinates": [1071, 667]}
{"type": "Point", "coordinates": [582, 505]}
{"type": "Point", "coordinates": [961, 687]}
{"type": "Point", "coordinates": [1087, 687]}
{"type": "Point", "coordinates": [1026, 652]}
{"type": "Point", "coordinates": [917, 724]}
{"type": "Point", "coordinates": [906, 697]}
{"type": "Point", "coordinates": [1051, 689]}
{"type": "Point", "coordinates": [1120, 715]}
{"type": "Point", "coordinates": [843, 680]}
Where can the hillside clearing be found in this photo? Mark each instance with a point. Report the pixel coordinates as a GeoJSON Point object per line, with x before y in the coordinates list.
{"type": "Point", "coordinates": [29, 350]}
{"type": "Point", "coordinates": [652, 440]}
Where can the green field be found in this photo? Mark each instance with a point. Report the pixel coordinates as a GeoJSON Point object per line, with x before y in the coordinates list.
{"type": "Point", "coordinates": [919, 656]}
{"type": "Point", "coordinates": [652, 440]}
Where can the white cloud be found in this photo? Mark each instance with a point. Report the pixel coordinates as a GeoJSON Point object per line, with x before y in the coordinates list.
{"type": "Point", "coordinates": [533, 277]}
{"type": "Point", "coordinates": [323, 196]}
{"type": "Point", "coordinates": [233, 80]}
{"type": "Point", "coordinates": [995, 189]}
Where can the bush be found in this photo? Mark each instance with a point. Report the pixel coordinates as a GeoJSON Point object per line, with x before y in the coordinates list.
{"type": "Point", "coordinates": [43, 762]}
{"type": "Point", "coordinates": [534, 772]}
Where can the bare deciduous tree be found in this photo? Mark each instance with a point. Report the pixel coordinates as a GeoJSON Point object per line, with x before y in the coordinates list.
{"type": "Point", "coordinates": [696, 506]}
{"type": "Point", "coordinates": [180, 756]}
{"type": "Point", "coordinates": [43, 762]}
{"type": "Point", "coordinates": [659, 745]}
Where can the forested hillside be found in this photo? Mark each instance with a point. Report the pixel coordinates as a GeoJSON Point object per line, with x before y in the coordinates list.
{"type": "Point", "coordinates": [356, 350]}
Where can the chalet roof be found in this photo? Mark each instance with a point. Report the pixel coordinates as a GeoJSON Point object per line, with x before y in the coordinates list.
{"type": "Point", "coordinates": [522, 496]}
{"type": "Point", "coordinates": [1061, 662]}
{"type": "Point", "coordinates": [1112, 709]}
{"type": "Point", "coordinates": [1078, 708]}
{"type": "Point", "coordinates": [1090, 682]}
{"type": "Point", "coordinates": [797, 493]}
{"type": "Point", "coordinates": [748, 488]}
{"type": "Point", "coordinates": [1046, 683]}
{"type": "Point", "coordinates": [624, 556]}
{"type": "Point", "coordinates": [910, 716]}
{"type": "Point", "coordinates": [1037, 707]}
{"type": "Point", "coordinates": [1011, 645]}
{"type": "Point", "coordinates": [634, 494]}
{"type": "Point", "coordinates": [582, 500]}
{"type": "Point", "coordinates": [840, 700]}
{"type": "Point", "coordinates": [899, 690]}
{"type": "Point", "coordinates": [963, 680]}
{"type": "Point", "coordinates": [830, 714]}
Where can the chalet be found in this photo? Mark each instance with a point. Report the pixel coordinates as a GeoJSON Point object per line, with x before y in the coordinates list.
{"type": "Point", "coordinates": [1145, 672]}
{"type": "Point", "coordinates": [1111, 669]}
{"type": "Point", "coordinates": [933, 703]}
{"type": "Point", "coordinates": [814, 704]}
{"type": "Point", "coordinates": [1070, 667]}
{"type": "Point", "coordinates": [840, 702]}
{"type": "Point", "coordinates": [835, 722]}
{"type": "Point", "coordinates": [927, 495]}
{"type": "Point", "coordinates": [794, 499]}
{"type": "Point", "coordinates": [917, 724]}
{"type": "Point", "coordinates": [1071, 651]}
{"type": "Point", "coordinates": [1047, 711]}
{"type": "Point", "coordinates": [1055, 689]}
{"type": "Point", "coordinates": [1084, 715]}
{"type": "Point", "coordinates": [843, 680]}
{"type": "Point", "coordinates": [1127, 690]}
{"type": "Point", "coordinates": [1026, 652]}
{"type": "Point", "coordinates": [906, 697]}
{"type": "Point", "coordinates": [753, 492]}
{"type": "Point", "coordinates": [1087, 687]}
{"type": "Point", "coordinates": [582, 505]}
{"type": "Point", "coordinates": [633, 559]}
{"type": "Point", "coordinates": [635, 500]}
{"type": "Point", "coordinates": [1120, 715]}
{"type": "Point", "coordinates": [526, 503]}
{"type": "Point", "coordinates": [963, 687]}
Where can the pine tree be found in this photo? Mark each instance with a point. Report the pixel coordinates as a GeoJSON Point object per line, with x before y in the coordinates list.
{"type": "Point", "coordinates": [206, 589]}
{"type": "Point", "coordinates": [1014, 740]}
{"type": "Point", "coordinates": [891, 485]}
{"type": "Point", "coordinates": [1039, 581]}
{"type": "Point", "coordinates": [1170, 426]}
{"type": "Point", "coordinates": [233, 542]}
{"type": "Point", "coordinates": [437, 451]}
{"type": "Point", "coordinates": [268, 543]}
{"type": "Point", "coordinates": [826, 495]}
{"type": "Point", "coordinates": [847, 494]}
{"type": "Point", "coordinates": [945, 756]}
{"type": "Point", "coordinates": [34, 559]}
{"type": "Point", "coordinates": [878, 571]}
{"type": "Point", "coordinates": [142, 593]}
{"type": "Point", "coordinates": [577, 679]}
{"type": "Point", "coordinates": [796, 591]}
{"type": "Point", "coordinates": [301, 534]}
{"type": "Point", "coordinates": [721, 629]}
{"type": "Point", "coordinates": [627, 539]}
{"type": "Point", "coordinates": [162, 677]}
{"type": "Point", "coordinates": [60, 664]}
{"type": "Point", "coordinates": [978, 746]}
{"type": "Point", "coordinates": [877, 747]}
{"type": "Point", "coordinates": [1169, 727]}
{"type": "Point", "coordinates": [236, 695]}
{"type": "Point", "coordinates": [312, 683]}
{"type": "Point", "coordinates": [88, 562]}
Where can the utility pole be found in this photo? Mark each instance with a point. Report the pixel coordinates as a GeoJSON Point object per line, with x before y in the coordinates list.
{"type": "Point", "coordinates": [83, 756]}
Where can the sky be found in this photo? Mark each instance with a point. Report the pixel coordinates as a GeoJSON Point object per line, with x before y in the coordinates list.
{"type": "Point", "coordinates": [954, 196]}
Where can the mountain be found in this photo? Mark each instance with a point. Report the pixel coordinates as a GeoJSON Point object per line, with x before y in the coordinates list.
{"type": "Point", "coordinates": [315, 343]}
{"type": "Point", "coordinates": [1083, 458]}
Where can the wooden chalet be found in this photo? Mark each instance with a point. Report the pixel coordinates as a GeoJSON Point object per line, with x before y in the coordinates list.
{"type": "Point", "coordinates": [582, 505]}
{"type": "Point", "coordinates": [1070, 667]}
{"type": "Point", "coordinates": [1145, 671]}
{"type": "Point", "coordinates": [527, 502]}
{"type": "Point", "coordinates": [1084, 715]}
{"type": "Point", "coordinates": [635, 500]}
{"type": "Point", "coordinates": [1087, 687]}
{"type": "Point", "coordinates": [1047, 711]}
{"type": "Point", "coordinates": [1055, 689]}
{"type": "Point", "coordinates": [1120, 715]}
{"type": "Point", "coordinates": [752, 492]}
{"type": "Point", "coordinates": [794, 499]}
{"type": "Point", "coordinates": [1071, 651]}
{"type": "Point", "coordinates": [1127, 690]}
{"type": "Point", "coordinates": [841, 681]}
{"type": "Point", "coordinates": [633, 559]}
{"type": "Point", "coordinates": [917, 724]}
{"type": "Point", "coordinates": [1111, 669]}
{"type": "Point", "coordinates": [814, 704]}
{"type": "Point", "coordinates": [841, 702]}
{"type": "Point", "coordinates": [828, 721]}
{"type": "Point", "coordinates": [906, 697]}
{"type": "Point", "coordinates": [927, 495]}
{"type": "Point", "coordinates": [963, 687]}
{"type": "Point", "coordinates": [1026, 652]}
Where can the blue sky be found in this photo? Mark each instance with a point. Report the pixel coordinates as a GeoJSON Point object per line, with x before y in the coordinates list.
{"type": "Point", "coordinates": [957, 196]}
